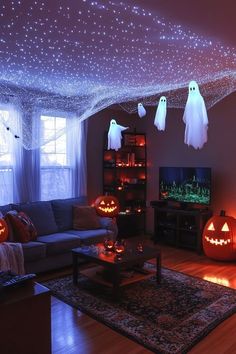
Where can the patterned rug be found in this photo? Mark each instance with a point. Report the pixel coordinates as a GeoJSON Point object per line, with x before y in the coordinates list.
{"type": "Point", "coordinates": [167, 318]}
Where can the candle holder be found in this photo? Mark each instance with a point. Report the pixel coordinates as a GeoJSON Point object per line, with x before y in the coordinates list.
{"type": "Point", "coordinates": [119, 249]}
{"type": "Point", "coordinates": [108, 244]}
{"type": "Point", "coordinates": [140, 247]}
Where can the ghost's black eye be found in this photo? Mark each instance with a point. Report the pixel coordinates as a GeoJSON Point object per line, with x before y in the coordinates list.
{"type": "Point", "coordinates": [190, 88]}
{"type": "Point", "coordinates": [193, 88]}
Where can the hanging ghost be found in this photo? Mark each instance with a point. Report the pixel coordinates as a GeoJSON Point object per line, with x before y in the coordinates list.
{"type": "Point", "coordinates": [160, 117]}
{"type": "Point", "coordinates": [195, 118]}
{"type": "Point", "coordinates": [141, 110]}
{"type": "Point", "coordinates": [114, 135]}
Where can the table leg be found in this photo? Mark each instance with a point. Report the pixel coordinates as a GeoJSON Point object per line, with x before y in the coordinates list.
{"type": "Point", "coordinates": [158, 268]}
{"type": "Point", "coordinates": [75, 269]}
{"type": "Point", "coordinates": [116, 284]}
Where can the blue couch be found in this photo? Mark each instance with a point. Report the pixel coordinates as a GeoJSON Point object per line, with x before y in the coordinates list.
{"type": "Point", "coordinates": [56, 237]}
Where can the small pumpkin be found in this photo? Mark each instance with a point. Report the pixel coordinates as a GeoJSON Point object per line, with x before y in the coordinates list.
{"type": "Point", "coordinates": [3, 230]}
{"type": "Point", "coordinates": [107, 205]}
{"type": "Point", "coordinates": [219, 237]}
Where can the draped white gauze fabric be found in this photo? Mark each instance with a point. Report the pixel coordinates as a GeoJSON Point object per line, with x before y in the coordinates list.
{"type": "Point", "coordinates": [114, 135]}
{"type": "Point", "coordinates": [195, 118]}
{"type": "Point", "coordinates": [22, 178]}
{"type": "Point", "coordinates": [160, 117]}
{"type": "Point", "coordinates": [141, 110]}
{"type": "Point", "coordinates": [10, 154]}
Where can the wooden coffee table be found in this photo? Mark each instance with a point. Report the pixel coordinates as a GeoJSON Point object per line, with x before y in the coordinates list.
{"type": "Point", "coordinates": [108, 263]}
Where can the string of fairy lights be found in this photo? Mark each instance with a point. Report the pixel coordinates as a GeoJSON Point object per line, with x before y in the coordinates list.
{"type": "Point", "coordinates": [83, 56]}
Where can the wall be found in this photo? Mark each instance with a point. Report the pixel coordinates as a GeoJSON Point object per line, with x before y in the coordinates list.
{"type": "Point", "coordinates": [168, 149]}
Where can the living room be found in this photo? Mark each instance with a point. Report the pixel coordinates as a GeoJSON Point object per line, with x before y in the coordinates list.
{"type": "Point", "coordinates": [29, 67]}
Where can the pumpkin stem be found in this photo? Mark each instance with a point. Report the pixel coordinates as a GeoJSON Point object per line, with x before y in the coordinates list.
{"type": "Point", "coordinates": [222, 213]}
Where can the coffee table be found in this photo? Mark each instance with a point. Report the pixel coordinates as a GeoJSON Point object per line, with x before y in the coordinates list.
{"type": "Point", "coordinates": [107, 263]}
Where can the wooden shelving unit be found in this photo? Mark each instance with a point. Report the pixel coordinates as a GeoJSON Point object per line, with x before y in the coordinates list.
{"type": "Point", "coordinates": [179, 227]}
{"type": "Point", "coordinates": [124, 176]}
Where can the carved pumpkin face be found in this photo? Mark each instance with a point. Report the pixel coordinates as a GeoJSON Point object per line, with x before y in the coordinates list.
{"type": "Point", "coordinates": [219, 238]}
{"type": "Point", "coordinates": [3, 230]}
{"type": "Point", "coordinates": [107, 205]}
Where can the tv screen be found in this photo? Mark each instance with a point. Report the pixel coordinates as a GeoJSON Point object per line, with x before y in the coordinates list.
{"type": "Point", "coordinates": [185, 184]}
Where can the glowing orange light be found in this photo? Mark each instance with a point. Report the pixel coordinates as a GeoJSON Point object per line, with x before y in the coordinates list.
{"type": "Point", "coordinates": [211, 227]}
{"type": "Point", "coordinates": [225, 227]}
{"type": "Point", "coordinates": [217, 242]}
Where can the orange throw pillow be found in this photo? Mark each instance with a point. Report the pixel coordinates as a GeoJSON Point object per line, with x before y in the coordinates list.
{"type": "Point", "coordinates": [23, 228]}
{"type": "Point", "coordinates": [85, 218]}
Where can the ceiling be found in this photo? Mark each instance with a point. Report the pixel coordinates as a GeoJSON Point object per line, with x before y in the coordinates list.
{"type": "Point", "coordinates": [86, 55]}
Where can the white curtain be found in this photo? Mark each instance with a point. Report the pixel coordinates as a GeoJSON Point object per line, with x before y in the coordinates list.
{"type": "Point", "coordinates": [10, 154]}
{"type": "Point", "coordinates": [77, 152]}
{"type": "Point", "coordinates": [22, 177]}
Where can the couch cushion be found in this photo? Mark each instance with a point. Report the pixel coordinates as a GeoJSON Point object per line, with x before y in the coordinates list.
{"type": "Point", "coordinates": [33, 251]}
{"type": "Point", "coordinates": [5, 208]}
{"type": "Point", "coordinates": [89, 237]}
{"type": "Point", "coordinates": [85, 218]}
{"type": "Point", "coordinates": [41, 214]}
{"type": "Point", "coordinates": [62, 209]}
{"type": "Point", "coordinates": [59, 242]}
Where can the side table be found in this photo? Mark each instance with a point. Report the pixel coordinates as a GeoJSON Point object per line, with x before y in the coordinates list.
{"type": "Point", "coordinates": [25, 326]}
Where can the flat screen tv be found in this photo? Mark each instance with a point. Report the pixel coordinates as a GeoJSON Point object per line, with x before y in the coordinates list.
{"type": "Point", "coordinates": [185, 184]}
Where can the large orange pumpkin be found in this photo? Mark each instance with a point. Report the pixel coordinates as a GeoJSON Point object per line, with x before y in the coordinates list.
{"type": "Point", "coordinates": [219, 237]}
{"type": "Point", "coordinates": [3, 230]}
{"type": "Point", "coordinates": [107, 205]}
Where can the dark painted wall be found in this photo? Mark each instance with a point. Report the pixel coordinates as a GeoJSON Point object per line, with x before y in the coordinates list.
{"type": "Point", "coordinates": [168, 149]}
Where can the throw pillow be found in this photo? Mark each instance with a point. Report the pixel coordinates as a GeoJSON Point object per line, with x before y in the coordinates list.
{"type": "Point", "coordinates": [85, 218]}
{"type": "Point", "coordinates": [11, 237]}
{"type": "Point", "coordinates": [24, 229]}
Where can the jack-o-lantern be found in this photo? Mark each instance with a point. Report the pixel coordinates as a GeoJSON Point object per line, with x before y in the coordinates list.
{"type": "Point", "coordinates": [107, 205]}
{"type": "Point", "coordinates": [3, 230]}
{"type": "Point", "coordinates": [219, 237]}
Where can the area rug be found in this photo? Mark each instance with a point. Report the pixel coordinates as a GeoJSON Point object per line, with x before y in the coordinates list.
{"type": "Point", "coordinates": [170, 317]}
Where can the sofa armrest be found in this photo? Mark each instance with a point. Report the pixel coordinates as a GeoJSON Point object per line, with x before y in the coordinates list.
{"type": "Point", "coordinates": [109, 224]}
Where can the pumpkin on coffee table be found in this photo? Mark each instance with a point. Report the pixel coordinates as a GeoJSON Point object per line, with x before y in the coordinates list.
{"type": "Point", "coordinates": [219, 237]}
{"type": "Point", "coordinates": [107, 205]}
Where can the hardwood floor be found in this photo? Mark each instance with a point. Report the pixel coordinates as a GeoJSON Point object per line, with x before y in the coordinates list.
{"type": "Point", "coordinates": [74, 332]}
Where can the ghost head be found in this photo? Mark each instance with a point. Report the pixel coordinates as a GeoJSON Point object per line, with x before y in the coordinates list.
{"type": "Point", "coordinates": [141, 110]}
{"type": "Point", "coordinates": [114, 135]}
{"type": "Point", "coordinates": [193, 89]}
{"type": "Point", "coordinates": [195, 118]}
{"type": "Point", "coordinates": [160, 117]}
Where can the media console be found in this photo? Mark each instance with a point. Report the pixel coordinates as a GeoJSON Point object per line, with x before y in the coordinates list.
{"type": "Point", "coordinates": [179, 227]}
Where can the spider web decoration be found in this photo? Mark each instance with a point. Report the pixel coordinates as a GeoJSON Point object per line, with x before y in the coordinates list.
{"type": "Point", "coordinates": [83, 56]}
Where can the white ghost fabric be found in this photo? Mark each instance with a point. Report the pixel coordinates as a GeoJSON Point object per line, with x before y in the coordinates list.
{"type": "Point", "coordinates": [160, 117]}
{"type": "Point", "coordinates": [195, 118]}
{"type": "Point", "coordinates": [141, 110]}
{"type": "Point", "coordinates": [114, 135]}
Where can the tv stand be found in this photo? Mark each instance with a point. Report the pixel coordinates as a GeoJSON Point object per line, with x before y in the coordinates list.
{"type": "Point", "coordinates": [179, 227]}
{"type": "Point", "coordinates": [184, 206]}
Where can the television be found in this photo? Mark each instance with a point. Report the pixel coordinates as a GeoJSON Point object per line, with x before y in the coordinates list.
{"type": "Point", "coordinates": [185, 185]}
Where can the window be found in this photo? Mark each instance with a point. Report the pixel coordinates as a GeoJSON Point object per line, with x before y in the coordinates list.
{"type": "Point", "coordinates": [6, 159]}
{"type": "Point", "coordinates": [55, 166]}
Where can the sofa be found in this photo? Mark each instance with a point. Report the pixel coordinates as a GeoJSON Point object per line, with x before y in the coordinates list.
{"type": "Point", "coordinates": [55, 233]}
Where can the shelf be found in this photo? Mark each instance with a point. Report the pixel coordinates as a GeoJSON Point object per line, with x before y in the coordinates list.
{"type": "Point", "coordinates": [188, 230]}
{"type": "Point", "coordinates": [98, 275]}
{"type": "Point", "coordinates": [179, 227]}
{"type": "Point", "coordinates": [171, 227]}
{"type": "Point", "coordinates": [124, 176]}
